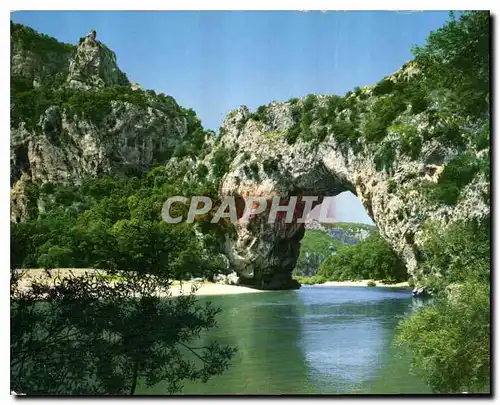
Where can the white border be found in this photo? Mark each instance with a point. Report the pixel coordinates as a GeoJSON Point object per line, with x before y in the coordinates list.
{"type": "Point", "coordinates": [257, 5]}
{"type": "Point", "coordinates": [186, 5]}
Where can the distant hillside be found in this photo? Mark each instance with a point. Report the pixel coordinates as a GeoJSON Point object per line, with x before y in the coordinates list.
{"type": "Point", "coordinates": [324, 240]}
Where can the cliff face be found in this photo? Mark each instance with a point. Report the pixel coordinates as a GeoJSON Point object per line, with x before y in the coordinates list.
{"type": "Point", "coordinates": [94, 66]}
{"type": "Point", "coordinates": [410, 159]}
{"type": "Point", "coordinates": [75, 114]}
{"type": "Point", "coordinates": [323, 145]}
{"type": "Point", "coordinates": [36, 58]}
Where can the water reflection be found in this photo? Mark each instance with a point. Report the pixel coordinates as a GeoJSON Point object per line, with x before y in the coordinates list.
{"type": "Point", "coordinates": [348, 335]}
{"type": "Point", "coordinates": [314, 340]}
{"type": "Point", "coordinates": [266, 329]}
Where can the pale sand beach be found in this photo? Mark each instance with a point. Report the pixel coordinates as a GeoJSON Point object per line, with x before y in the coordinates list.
{"type": "Point", "coordinates": [212, 289]}
{"type": "Point", "coordinates": [203, 288]}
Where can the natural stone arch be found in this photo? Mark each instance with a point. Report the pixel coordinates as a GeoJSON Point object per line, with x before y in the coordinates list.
{"type": "Point", "coordinates": [265, 254]}
{"type": "Point", "coordinates": [265, 164]}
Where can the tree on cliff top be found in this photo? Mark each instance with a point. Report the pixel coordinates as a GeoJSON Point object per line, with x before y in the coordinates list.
{"type": "Point", "coordinates": [456, 63]}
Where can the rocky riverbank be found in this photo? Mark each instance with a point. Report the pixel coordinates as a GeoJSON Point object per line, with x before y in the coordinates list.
{"type": "Point", "coordinates": [360, 283]}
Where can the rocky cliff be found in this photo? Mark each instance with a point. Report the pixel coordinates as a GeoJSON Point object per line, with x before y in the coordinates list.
{"type": "Point", "coordinates": [406, 160]}
{"type": "Point", "coordinates": [74, 114]}
{"type": "Point", "coordinates": [409, 157]}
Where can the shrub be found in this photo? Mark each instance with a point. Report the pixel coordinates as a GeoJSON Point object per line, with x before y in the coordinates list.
{"type": "Point", "coordinates": [270, 166]}
{"type": "Point", "coordinates": [201, 170]}
{"type": "Point", "coordinates": [450, 341]}
{"type": "Point", "coordinates": [342, 129]}
{"type": "Point", "coordinates": [383, 112]}
{"type": "Point", "coordinates": [384, 158]}
{"type": "Point", "coordinates": [254, 168]}
{"type": "Point", "coordinates": [260, 114]}
{"type": "Point", "coordinates": [292, 134]}
{"type": "Point", "coordinates": [384, 86]}
{"type": "Point", "coordinates": [456, 175]}
{"type": "Point", "coordinates": [221, 160]}
{"type": "Point", "coordinates": [309, 102]}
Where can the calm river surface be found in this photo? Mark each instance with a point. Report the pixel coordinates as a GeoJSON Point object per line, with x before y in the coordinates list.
{"type": "Point", "coordinates": [316, 340]}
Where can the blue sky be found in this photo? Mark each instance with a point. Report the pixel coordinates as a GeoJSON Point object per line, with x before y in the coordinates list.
{"type": "Point", "coordinates": [215, 61]}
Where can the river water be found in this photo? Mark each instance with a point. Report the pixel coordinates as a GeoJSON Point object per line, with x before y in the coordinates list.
{"type": "Point", "coordinates": [316, 340]}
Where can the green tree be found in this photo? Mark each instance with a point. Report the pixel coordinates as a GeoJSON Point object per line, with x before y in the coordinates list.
{"type": "Point", "coordinates": [450, 337]}
{"type": "Point", "coordinates": [85, 336]}
{"type": "Point", "coordinates": [371, 258]}
{"type": "Point", "coordinates": [450, 340]}
{"type": "Point", "coordinates": [455, 63]}
{"type": "Point", "coordinates": [88, 334]}
{"type": "Point", "coordinates": [104, 334]}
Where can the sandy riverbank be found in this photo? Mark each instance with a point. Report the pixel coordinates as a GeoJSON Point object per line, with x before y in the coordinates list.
{"type": "Point", "coordinates": [202, 288]}
{"type": "Point", "coordinates": [212, 289]}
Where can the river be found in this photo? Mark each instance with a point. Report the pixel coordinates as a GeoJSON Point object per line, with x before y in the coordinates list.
{"type": "Point", "coordinates": [316, 340]}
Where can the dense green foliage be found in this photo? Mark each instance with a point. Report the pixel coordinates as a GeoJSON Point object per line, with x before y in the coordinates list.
{"type": "Point", "coordinates": [84, 336]}
{"type": "Point", "coordinates": [40, 44]}
{"type": "Point", "coordinates": [457, 254]}
{"type": "Point", "coordinates": [83, 226]}
{"type": "Point", "coordinates": [371, 258]}
{"type": "Point", "coordinates": [450, 337]}
{"type": "Point", "coordinates": [315, 247]}
{"type": "Point", "coordinates": [221, 160]}
{"type": "Point", "coordinates": [450, 341]}
{"type": "Point", "coordinates": [455, 62]}
{"type": "Point", "coordinates": [116, 339]}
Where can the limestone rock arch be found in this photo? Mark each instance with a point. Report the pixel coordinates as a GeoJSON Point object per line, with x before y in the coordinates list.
{"type": "Point", "coordinates": [318, 163]}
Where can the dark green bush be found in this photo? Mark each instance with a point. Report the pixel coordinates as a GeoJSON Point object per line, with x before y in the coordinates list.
{"type": "Point", "coordinates": [384, 158]}
{"type": "Point", "coordinates": [270, 166]}
{"type": "Point", "coordinates": [292, 134]}
{"type": "Point", "coordinates": [309, 102]}
{"type": "Point", "coordinates": [260, 114]}
{"type": "Point", "coordinates": [455, 176]}
{"type": "Point", "coordinates": [382, 114]}
{"type": "Point", "coordinates": [384, 86]}
{"type": "Point", "coordinates": [254, 168]}
{"type": "Point", "coordinates": [221, 160]}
